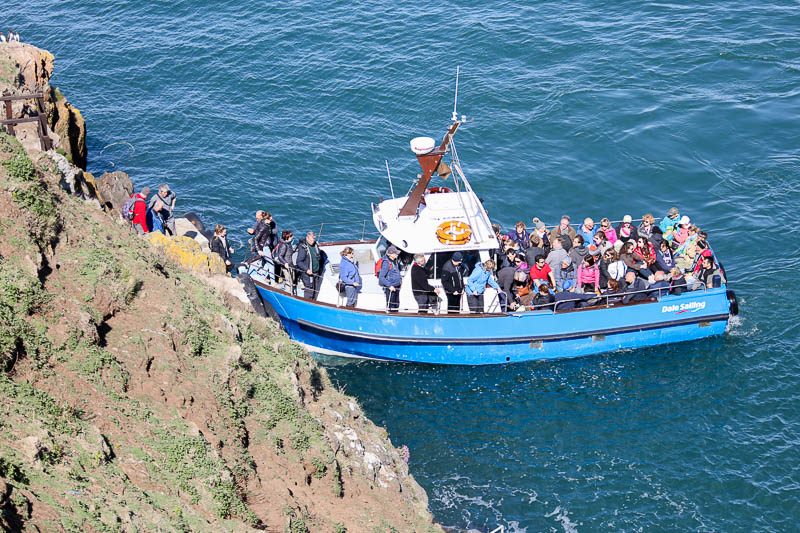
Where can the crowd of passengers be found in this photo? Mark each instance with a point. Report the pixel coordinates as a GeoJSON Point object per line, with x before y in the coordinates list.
{"type": "Point", "coordinates": [560, 268]}
{"type": "Point", "coordinates": [565, 268]}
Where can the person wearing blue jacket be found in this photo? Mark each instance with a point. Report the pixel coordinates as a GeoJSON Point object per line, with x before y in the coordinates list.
{"type": "Point", "coordinates": [669, 223]}
{"type": "Point", "coordinates": [476, 285]}
{"type": "Point", "coordinates": [390, 279]}
{"type": "Point", "coordinates": [348, 274]}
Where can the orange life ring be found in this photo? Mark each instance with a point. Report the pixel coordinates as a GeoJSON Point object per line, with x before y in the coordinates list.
{"type": "Point", "coordinates": [453, 232]}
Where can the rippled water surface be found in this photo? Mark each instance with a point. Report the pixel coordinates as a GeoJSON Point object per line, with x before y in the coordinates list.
{"type": "Point", "coordinates": [587, 108]}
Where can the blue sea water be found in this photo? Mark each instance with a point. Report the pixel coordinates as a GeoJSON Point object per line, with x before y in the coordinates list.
{"type": "Point", "coordinates": [582, 107]}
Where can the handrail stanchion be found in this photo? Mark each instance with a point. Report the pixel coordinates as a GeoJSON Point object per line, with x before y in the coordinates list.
{"type": "Point", "coordinates": [364, 229]}
{"type": "Point", "coordinates": [319, 235]}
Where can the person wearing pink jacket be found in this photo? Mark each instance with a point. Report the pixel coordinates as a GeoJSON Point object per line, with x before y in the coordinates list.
{"type": "Point", "coordinates": [610, 232]}
{"type": "Point", "coordinates": [589, 275]}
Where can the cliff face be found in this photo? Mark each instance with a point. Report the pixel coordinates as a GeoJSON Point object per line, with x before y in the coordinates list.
{"type": "Point", "coordinates": [136, 397]}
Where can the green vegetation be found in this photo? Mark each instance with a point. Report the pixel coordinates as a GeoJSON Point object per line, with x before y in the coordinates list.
{"type": "Point", "coordinates": [20, 295]}
{"type": "Point", "coordinates": [338, 527]}
{"type": "Point", "coordinates": [32, 195]}
{"type": "Point", "coordinates": [13, 471]}
{"type": "Point", "coordinates": [32, 402]}
{"type": "Point", "coordinates": [319, 468]}
{"type": "Point", "coordinates": [20, 166]}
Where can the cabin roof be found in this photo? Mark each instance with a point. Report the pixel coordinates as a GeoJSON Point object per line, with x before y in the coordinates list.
{"type": "Point", "coordinates": [417, 234]}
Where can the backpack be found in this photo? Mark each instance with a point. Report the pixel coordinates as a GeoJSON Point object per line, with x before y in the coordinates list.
{"type": "Point", "coordinates": [379, 264]}
{"type": "Point", "coordinates": [127, 207]}
{"type": "Point", "coordinates": [278, 252]}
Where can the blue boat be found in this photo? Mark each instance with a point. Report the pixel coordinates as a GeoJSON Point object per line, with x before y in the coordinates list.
{"type": "Point", "coordinates": [436, 222]}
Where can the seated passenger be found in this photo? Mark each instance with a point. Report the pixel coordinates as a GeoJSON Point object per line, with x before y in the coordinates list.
{"type": "Point", "coordinates": [563, 230]}
{"type": "Point", "coordinates": [686, 254]}
{"type": "Point", "coordinates": [587, 230]}
{"type": "Point", "coordinates": [612, 295]}
{"type": "Point", "coordinates": [661, 286]}
{"type": "Point", "coordinates": [611, 233]}
{"type": "Point", "coordinates": [579, 250]}
{"type": "Point", "coordinates": [567, 300]}
{"type": "Point", "coordinates": [633, 261]}
{"type": "Point", "coordinates": [507, 258]}
{"type": "Point", "coordinates": [519, 235]}
{"type": "Point", "coordinates": [540, 272]}
{"type": "Point", "coordinates": [521, 264]}
{"type": "Point", "coordinates": [588, 275]}
{"type": "Point", "coordinates": [664, 259]}
{"type": "Point", "coordinates": [681, 232]}
{"type": "Point", "coordinates": [646, 227]}
{"type": "Point", "coordinates": [556, 255]}
{"type": "Point", "coordinates": [616, 267]}
{"type": "Point", "coordinates": [708, 271]}
{"type": "Point", "coordinates": [645, 251]}
{"type": "Point", "coordinates": [565, 272]}
{"type": "Point", "coordinates": [678, 282]}
{"type": "Point", "coordinates": [540, 238]}
{"type": "Point", "coordinates": [476, 285]}
{"type": "Point", "coordinates": [543, 297]}
{"type": "Point", "coordinates": [599, 244]}
{"type": "Point", "coordinates": [626, 231]}
{"type": "Point", "coordinates": [669, 223]}
{"type": "Point", "coordinates": [534, 250]}
{"type": "Point", "coordinates": [635, 288]}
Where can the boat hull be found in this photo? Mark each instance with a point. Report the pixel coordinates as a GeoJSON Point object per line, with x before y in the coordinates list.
{"type": "Point", "coordinates": [462, 339]}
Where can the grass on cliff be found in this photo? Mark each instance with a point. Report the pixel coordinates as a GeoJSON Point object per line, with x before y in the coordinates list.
{"type": "Point", "coordinates": [20, 295]}
{"type": "Point", "coordinates": [30, 192]}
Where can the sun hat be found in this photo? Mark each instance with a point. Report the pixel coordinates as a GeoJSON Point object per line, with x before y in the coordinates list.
{"type": "Point", "coordinates": [627, 218]}
{"type": "Point", "coordinates": [684, 220]}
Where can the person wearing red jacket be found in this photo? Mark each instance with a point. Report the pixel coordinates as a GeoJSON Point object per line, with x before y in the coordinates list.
{"type": "Point", "coordinates": [140, 212]}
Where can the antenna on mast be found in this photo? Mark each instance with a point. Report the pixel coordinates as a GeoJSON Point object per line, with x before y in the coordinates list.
{"type": "Point", "coordinates": [389, 176]}
{"type": "Point", "coordinates": [455, 100]}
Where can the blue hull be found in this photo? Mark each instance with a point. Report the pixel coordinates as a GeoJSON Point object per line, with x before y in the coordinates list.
{"type": "Point", "coordinates": [494, 339]}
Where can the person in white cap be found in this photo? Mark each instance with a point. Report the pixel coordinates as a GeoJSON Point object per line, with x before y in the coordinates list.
{"type": "Point", "coordinates": [681, 232]}
{"type": "Point", "coordinates": [626, 231]}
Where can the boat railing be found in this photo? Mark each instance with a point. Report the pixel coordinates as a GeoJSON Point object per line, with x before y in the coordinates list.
{"type": "Point", "coordinates": [576, 225]}
{"type": "Point", "coordinates": [341, 230]}
{"type": "Point", "coordinates": [496, 305]}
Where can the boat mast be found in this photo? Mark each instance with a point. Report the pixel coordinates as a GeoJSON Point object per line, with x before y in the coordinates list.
{"type": "Point", "coordinates": [429, 163]}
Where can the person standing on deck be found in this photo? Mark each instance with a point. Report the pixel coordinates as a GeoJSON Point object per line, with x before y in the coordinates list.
{"type": "Point", "coordinates": [453, 282]}
{"type": "Point", "coordinates": [476, 285]}
{"type": "Point", "coordinates": [425, 294]}
{"type": "Point", "coordinates": [310, 265]}
{"type": "Point", "coordinates": [348, 274]}
{"type": "Point", "coordinates": [390, 279]}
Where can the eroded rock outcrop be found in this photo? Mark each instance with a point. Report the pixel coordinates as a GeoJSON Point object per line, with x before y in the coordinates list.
{"type": "Point", "coordinates": [25, 69]}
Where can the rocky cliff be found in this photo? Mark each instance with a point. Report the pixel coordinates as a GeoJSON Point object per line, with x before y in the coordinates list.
{"type": "Point", "coordinates": [136, 395]}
